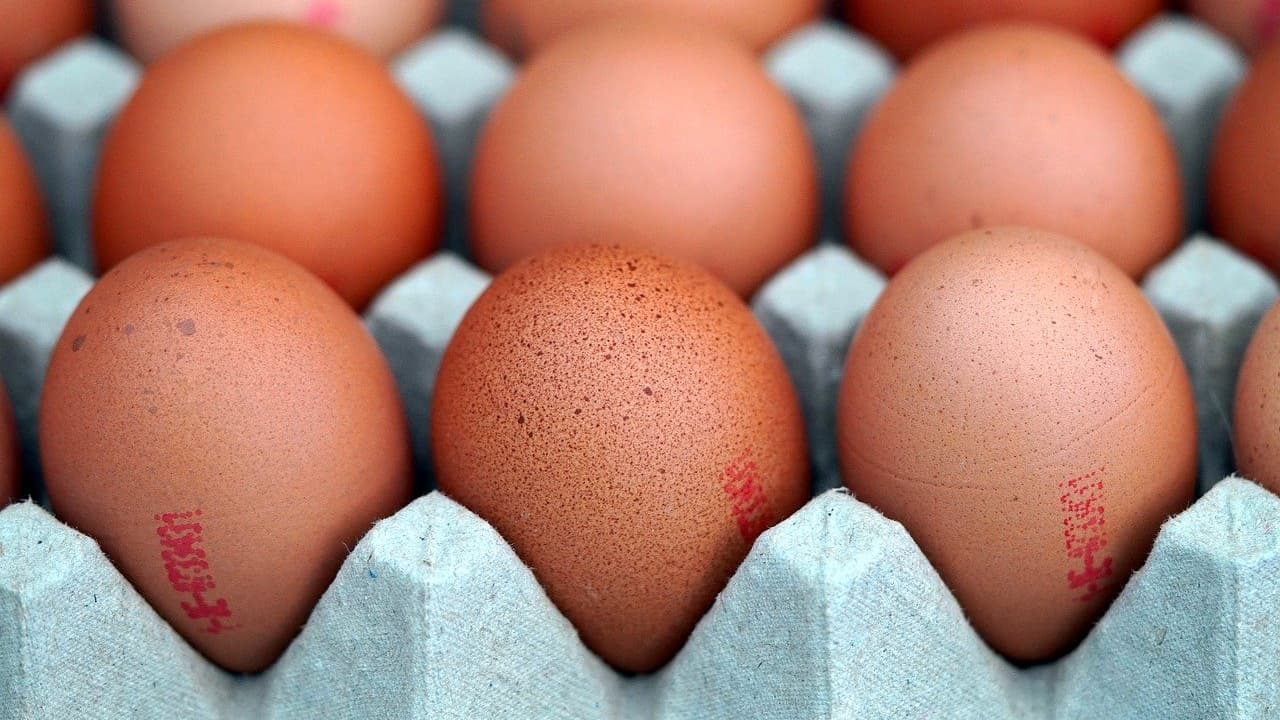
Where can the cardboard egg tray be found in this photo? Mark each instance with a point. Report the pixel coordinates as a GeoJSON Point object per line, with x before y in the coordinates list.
{"type": "Point", "coordinates": [835, 613]}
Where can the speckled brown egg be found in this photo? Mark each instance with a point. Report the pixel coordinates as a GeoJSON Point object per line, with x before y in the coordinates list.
{"type": "Point", "coordinates": [10, 468]}
{"type": "Point", "coordinates": [906, 27]}
{"type": "Point", "coordinates": [1245, 168]}
{"type": "Point", "coordinates": [1252, 24]}
{"type": "Point", "coordinates": [1014, 125]}
{"type": "Point", "coordinates": [225, 428]}
{"type": "Point", "coordinates": [624, 422]}
{"type": "Point", "coordinates": [279, 135]}
{"type": "Point", "coordinates": [610, 136]}
{"type": "Point", "coordinates": [24, 228]}
{"type": "Point", "coordinates": [1257, 406]}
{"type": "Point", "coordinates": [522, 27]}
{"type": "Point", "coordinates": [150, 28]}
{"type": "Point", "coordinates": [1015, 402]}
{"type": "Point", "coordinates": [30, 29]}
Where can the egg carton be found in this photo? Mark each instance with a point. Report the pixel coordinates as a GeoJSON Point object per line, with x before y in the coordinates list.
{"type": "Point", "coordinates": [835, 612]}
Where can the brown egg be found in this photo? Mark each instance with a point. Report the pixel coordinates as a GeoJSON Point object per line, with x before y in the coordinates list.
{"type": "Point", "coordinates": [1252, 24]}
{"type": "Point", "coordinates": [522, 27]}
{"type": "Point", "coordinates": [150, 28]}
{"type": "Point", "coordinates": [906, 27]}
{"type": "Point", "coordinates": [30, 29]}
{"type": "Point", "coordinates": [609, 136]}
{"type": "Point", "coordinates": [278, 135]}
{"type": "Point", "coordinates": [1014, 125]}
{"type": "Point", "coordinates": [10, 470]}
{"type": "Point", "coordinates": [1257, 413]}
{"type": "Point", "coordinates": [1245, 170]}
{"type": "Point", "coordinates": [627, 426]}
{"type": "Point", "coordinates": [1015, 402]}
{"type": "Point", "coordinates": [24, 227]}
{"type": "Point", "coordinates": [225, 428]}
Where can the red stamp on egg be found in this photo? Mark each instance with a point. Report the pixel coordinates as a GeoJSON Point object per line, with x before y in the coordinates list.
{"type": "Point", "coordinates": [1085, 533]}
{"type": "Point", "coordinates": [741, 482]}
{"type": "Point", "coordinates": [187, 565]}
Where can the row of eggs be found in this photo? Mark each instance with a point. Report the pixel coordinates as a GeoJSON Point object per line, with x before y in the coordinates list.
{"type": "Point", "coordinates": [616, 414]}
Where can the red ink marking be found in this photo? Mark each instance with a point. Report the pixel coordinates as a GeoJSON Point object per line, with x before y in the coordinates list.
{"type": "Point", "coordinates": [324, 13]}
{"type": "Point", "coordinates": [1083, 521]}
{"type": "Point", "coordinates": [742, 484]}
{"type": "Point", "coordinates": [1268, 21]}
{"type": "Point", "coordinates": [188, 568]}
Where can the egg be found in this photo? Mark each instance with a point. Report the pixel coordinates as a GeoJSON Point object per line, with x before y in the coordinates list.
{"type": "Point", "coordinates": [1014, 401]}
{"type": "Point", "coordinates": [624, 422]}
{"type": "Point", "coordinates": [151, 28]}
{"type": "Point", "coordinates": [1257, 413]}
{"type": "Point", "coordinates": [24, 226]}
{"type": "Point", "coordinates": [1014, 125]}
{"type": "Point", "coordinates": [278, 135]}
{"type": "Point", "coordinates": [30, 29]}
{"type": "Point", "coordinates": [1244, 171]}
{"type": "Point", "coordinates": [905, 27]}
{"type": "Point", "coordinates": [522, 27]}
{"type": "Point", "coordinates": [10, 470]}
{"type": "Point", "coordinates": [1252, 24]}
{"type": "Point", "coordinates": [225, 428]}
{"type": "Point", "coordinates": [609, 136]}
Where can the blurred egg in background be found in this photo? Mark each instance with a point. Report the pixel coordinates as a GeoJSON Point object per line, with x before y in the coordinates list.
{"type": "Point", "coordinates": [1245, 170]}
{"type": "Point", "coordinates": [150, 28]}
{"type": "Point", "coordinates": [24, 226]}
{"type": "Point", "coordinates": [1014, 124]}
{"type": "Point", "coordinates": [1252, 24]}
{"type": "Point", "coordinates": [652, 134]}
{"type": "Point", "coordinates": [279, 135]}
{"type": "Point", "coordinates": [522, 27]}
{"type": "Point", "coordinates": [30, 29]}
{"type": "Point", "coordinates": [906, 27]}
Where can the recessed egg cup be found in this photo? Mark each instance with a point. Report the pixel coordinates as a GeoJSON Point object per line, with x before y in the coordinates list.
{"type": "Point", "coordinates": [835, 613]}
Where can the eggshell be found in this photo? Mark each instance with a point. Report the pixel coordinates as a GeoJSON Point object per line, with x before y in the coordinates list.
{"type": "Point", "coordinates": [627, 426]}
{"type": "Point", "coordinates": [906, 27]}
{"type": "Point", "coordinates": [522, 27]}
{"type": "Point", "coordinates": [279, 135]}
{"type": "Point", "coordinates": [1244, 171]}
{"type": "Point", "coordinates": [30, 29]}
{"type": "Point", "coordinates": [10, 471]}
{"type": "Point", "coordinates": [609, 136]}
{"type": "Point", "coordinates": [1014, 125]}
{"type": "Point", "coordinates": [1015, 402]}
{"type": "Point", "coordinates": [1257, 412]}
{"type": "Point", "coordinates": [150, 28]}
{"type": "Point", "coordinates": [1252, 24]}
{"type": "Point", "coordinates": [24, 227]}
{"type": "Point", "coordinates": [225, 428]}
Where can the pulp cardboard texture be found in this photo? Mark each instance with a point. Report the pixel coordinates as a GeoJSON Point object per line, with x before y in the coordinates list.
{"type": "Point", "coordinates": [835, 613]}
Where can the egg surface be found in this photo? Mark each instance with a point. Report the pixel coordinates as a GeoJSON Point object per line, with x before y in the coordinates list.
{"type": "Point", "coordinates": [30, 29]}
{"type": "Point", "coordinates": [1257, 412]}
{"type": "Point", "coordinates": [624, 422]}
{"type": "Point", "coordinates": [1015, 402]}
{"type": "Point", "coordinates": [1014, 125]}
{"type": "Point", "coordinates": [906, 27]}
{"type": "Point", "coordinates": [226, 429]}
{"type": "Point", "coordinates": [24, 227]}
{"type": "Point", "coordinates": [278, 135]}
{"type": "Point", "coordinates": [150, 28]}
{"type": "Point", "coordinates": [10, 468]}
{"type": "Point", "coordinates": [522, 27]}
{"type": "Point", "coordinates": [610, 136]}
{"type": "Point", "coordinates": [1245, 167]}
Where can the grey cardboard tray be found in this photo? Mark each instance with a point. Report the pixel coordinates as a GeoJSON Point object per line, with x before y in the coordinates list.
{"type": "Point", "coordinates": [834, 614]}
